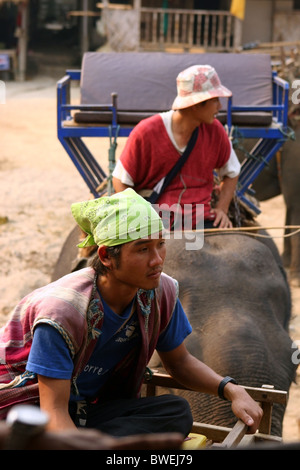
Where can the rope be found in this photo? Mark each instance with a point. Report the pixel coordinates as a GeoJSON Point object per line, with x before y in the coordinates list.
{"type": "Point", "coordinates": [248, 230]}
{"type": "Point", "coordinates": [236, 137]}
{"type": "Point", "coordinates": [112, 156]}
{"type": "Point", "coordinates": [289, 133]}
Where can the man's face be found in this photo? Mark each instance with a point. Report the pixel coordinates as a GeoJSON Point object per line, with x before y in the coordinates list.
{"type": "Point", "coordinates": [206, 112]}
{"type": "Point", "coordinates": [141, 263]}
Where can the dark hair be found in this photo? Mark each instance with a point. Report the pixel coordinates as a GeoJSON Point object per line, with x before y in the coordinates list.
{"type": "Point", "coordinates": [113, 252]}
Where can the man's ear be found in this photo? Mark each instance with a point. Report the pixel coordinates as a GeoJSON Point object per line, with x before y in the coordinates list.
{"type": "Point", "coordinates": [103, 256]}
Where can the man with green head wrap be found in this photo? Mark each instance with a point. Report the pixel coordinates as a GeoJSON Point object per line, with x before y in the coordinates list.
{"type": "Point", "coordinates": [118, 219]}
{"type": "Point", "coordinates": [89, 336]}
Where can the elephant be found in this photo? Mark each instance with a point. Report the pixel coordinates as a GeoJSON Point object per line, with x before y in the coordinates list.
{"type": "Point", "coordinates": [237, 298]}
{"type": "Point", "coordinates": [235, 293]}
{"type": "Point", "coordinates": [282, 176]}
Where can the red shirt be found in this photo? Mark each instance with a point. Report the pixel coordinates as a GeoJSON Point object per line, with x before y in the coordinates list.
{"type": "Point", "coordinates": [149, 155]}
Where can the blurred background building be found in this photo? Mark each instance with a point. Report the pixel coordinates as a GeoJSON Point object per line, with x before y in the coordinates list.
{"type": "Point", "coordinates": [53, 34]}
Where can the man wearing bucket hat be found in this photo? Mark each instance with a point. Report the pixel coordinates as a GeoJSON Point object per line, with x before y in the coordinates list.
{"type": "Point", "coordinates": [156, 143]}
{"type": "Point", "coordinates": [80, 346]}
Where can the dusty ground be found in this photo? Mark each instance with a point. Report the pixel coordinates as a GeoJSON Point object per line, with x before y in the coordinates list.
{"type": "Point", "coordinates": [38, 184]}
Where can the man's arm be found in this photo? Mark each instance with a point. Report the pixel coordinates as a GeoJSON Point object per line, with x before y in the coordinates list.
{"type": "Point", "coordinates": [54, 400]}
{"type": "Point", "coordinates": [225, 197]}
{"type": "Point", "coordinates": [196, 375]}
{"type": "Point", "coordinates": [118, 185]}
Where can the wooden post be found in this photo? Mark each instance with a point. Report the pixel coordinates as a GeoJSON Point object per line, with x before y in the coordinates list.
{"type": "Point", "coordinates": [85, 27]}
{"type": "Point", "coordinates": [137, 6]}
{"type": "Point", "coordinates": [22, 42]}
{"type": "Point", "coordinates": [237, 40]}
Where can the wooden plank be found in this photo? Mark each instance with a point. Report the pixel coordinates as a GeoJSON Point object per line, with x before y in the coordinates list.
{"type": "Point", "coordinates": [213, 34]}
{"type": "Point", "coordinates": [279, 44]}
{"type": "Point", "coordinates": [154, 28]}
{"type": "Point", "coordinates": [161, 29]}
{"type": "Point", "coordinates": [84, 13]}
{"type": "Point", "coordinates": [235, 436]}
{"type": "Point", "coordinates": [146, 20]}
{"type": "Point", "coordinates": [258, 394]}
{"type": "Point", "coordinates": [114, 6]}
{"type": "Point", "coordinates": [217, 434]}
{"type": "Point", "coordinates": [272, 396]}
{"type": "Point", "coordinates": [169, 29]}
{"type": "Point", "coordinates": [265, 395]}
{"type": "Point", "coordinates": [191, 30]}
{"type": "Point", "coordinates": [198, 33]}
{"type": "Point", "coordinates": [228, 30]}
{"type": "Point", "coordinates": [184, 34]}
{"type": "Point", "coordinates": [176, 32]}
{"type": "Point", "coordinates": [266, 421]}
{"type": "Point", "coordinates": [212, 432]}
{"type": "Point", "coordinates": [206, 25]}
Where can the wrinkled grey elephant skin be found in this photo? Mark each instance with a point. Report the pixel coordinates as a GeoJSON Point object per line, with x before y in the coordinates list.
{"type": "Point", "coordinates": [282, 176]}
{"type": "Point", "coordinates": [238, 301]}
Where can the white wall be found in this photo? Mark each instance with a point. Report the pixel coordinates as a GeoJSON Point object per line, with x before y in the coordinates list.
{"type": "Point", "coordinates": [257, 25]}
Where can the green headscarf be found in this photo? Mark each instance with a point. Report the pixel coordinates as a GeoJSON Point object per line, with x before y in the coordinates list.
{"type": "Point", "coordinates": [117, 219]}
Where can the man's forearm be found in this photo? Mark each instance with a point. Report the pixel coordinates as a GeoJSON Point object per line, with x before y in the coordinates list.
{"type": "Point", "coordinates": [227, 192]}
{"type": "Point", "coordinates": [59, 420]}
{"type": "Point", "coordinates": [118, 185]}
{"type": "Point", "coordinates": [54, 400]}
{"type": "Point", "coordinates": [193, 374]}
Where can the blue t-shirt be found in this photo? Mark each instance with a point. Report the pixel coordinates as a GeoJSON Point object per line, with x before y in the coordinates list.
{"type": "Point", "coordinates": [50, 356]}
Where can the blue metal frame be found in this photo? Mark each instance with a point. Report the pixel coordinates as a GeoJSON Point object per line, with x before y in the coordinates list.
{"type": "Point", "coordinates": [270, 139]}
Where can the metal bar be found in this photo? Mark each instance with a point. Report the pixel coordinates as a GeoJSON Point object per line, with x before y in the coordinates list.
{"type": "Point", "coordinates": [258, 132]}
{"type": "Point", "coordinates": [271, 107]}
{"type": "Point", "coordinates": [257, 154]}
{"type": "Point", "coordinates": [89, 159]}
{"type": "Point", "coordinates": [73, 154]}
{"type": "Point", "coordinates": [252, 171]}
{"type": "Point", "coordinates": [91, 131]}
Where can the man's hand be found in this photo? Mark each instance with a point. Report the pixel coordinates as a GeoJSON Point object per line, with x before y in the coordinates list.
{"type": "Point", "coordinates": [225, 196]}
{"type": "Point", "coordinates": [243, 406]}
{"type": "Point", "coordinates": [221, 220]}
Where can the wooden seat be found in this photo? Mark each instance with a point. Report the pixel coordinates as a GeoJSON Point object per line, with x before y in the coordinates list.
{"type": "Point", "coordinates": [224, 436]}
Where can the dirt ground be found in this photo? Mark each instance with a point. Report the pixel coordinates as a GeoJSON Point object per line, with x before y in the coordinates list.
{"type": "Point", "coordinates": [38, 184]}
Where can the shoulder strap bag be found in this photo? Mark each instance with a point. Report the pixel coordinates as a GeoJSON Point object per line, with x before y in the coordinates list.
{"type": "Point", "coordinates": [166, 180]}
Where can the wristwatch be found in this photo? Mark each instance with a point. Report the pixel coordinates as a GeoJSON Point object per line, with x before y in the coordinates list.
{"type": "Point", "coordinates": [222, 384]}
{"type": "Point", "coordinates": [25, 422]}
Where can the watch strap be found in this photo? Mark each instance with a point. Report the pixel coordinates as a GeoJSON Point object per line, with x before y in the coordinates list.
{"type": "Point", "coordinates": [222, 386]}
